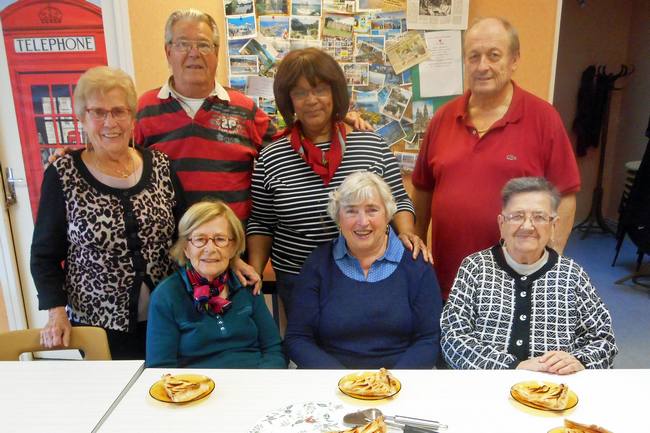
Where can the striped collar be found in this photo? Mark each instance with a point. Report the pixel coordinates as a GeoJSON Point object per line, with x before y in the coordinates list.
{"type": "Point", "coordinates": [167, 91]}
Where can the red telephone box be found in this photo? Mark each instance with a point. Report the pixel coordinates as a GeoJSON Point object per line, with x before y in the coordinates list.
{"type": "Point", "coordinates": [49, 45]}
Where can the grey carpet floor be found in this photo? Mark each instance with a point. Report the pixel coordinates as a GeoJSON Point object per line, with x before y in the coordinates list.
{"type": "Point", "coordinates": [628, 302]}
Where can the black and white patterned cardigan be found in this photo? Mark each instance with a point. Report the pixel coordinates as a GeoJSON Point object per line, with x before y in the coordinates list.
{"type": "Point", "coordinates": [496, 318]}
{"type": "Point", "coordinates": [112, 240]}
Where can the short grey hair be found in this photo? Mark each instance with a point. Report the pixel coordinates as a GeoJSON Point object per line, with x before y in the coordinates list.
{"type": "Point", "coordinates": [521, 185]}
{"type": "Point", "coordinates": [513, 34]}
{"type": "Point", "coordinates": [101, 80]}
{"type": "Point", "coordinates": [190, 15]}
{"type": "Point", "coordinates": [357, 187]}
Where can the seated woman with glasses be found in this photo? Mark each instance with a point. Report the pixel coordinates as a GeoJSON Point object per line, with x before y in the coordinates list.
{"type": "Point", "coordinates": [521, 305]}
{"type": "Point", "coordinates": [201, 316]}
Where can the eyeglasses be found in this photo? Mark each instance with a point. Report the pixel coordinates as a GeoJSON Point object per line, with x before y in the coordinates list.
{"type": "Point", "coordinates": [203, 47]}
{"type": "Point", "coordinates": [201, 241]}
{"type": "Point", "coordinates": [118, 113]}
{"type": "Point", "coordinates": [537, 219]}
{"type": "Point", "coordinates": [320, 91]}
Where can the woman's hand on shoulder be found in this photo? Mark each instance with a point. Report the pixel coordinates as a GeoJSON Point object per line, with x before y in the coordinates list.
{"type": "Point", "coordinates": [57, 330]}
{"type": "Point", "coordinates": [58, 153]}
{"type": "Point", "coordinates": [354, 119]}
{"type": "Point", "coordinates": [412, 242]}
{"type": "Point", "coordinates": [247, 275]}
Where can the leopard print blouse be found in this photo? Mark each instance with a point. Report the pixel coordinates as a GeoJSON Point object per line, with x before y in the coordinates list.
{"type": "Point", "coordinates": [115, 239]}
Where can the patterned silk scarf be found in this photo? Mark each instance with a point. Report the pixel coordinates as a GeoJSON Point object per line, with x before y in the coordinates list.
{"type": "Point", "coordinates": [322, 163]}
{"type": "Point", "coordinates": [206, 293]}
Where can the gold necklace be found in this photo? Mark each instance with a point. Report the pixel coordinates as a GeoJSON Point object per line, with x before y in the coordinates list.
{"type": "Point", "coordinates": [122, 173]}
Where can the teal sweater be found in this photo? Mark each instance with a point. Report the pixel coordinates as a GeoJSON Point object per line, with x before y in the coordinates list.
{"type": "Point", "coordinates": [179, 336]}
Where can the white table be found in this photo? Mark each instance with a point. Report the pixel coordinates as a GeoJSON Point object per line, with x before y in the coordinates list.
{"type": "Point", "coordinates": [61, 396]}
{"type": "Point", "coordinates": [469, 401]}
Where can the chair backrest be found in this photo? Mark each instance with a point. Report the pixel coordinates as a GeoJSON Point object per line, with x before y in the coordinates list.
{"type": "Point", "coordinates": [91, 340]}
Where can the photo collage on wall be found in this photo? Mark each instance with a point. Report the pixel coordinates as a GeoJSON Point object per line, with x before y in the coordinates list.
{"type": "Point", "coordinates": [380, 55]}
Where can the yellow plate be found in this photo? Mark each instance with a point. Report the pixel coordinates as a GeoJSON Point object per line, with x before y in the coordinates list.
{"type": "Point", "coordinates": [157, 390]}
{"type": "Point", "coordinates": [368, 397]}
{"type": "Point", "coordinates": [572, 399]}
{"type": "Point", "coordinates": [557, 430]}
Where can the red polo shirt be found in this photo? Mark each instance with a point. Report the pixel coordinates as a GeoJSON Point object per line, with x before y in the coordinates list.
{"type": "Point", "coordinates": [466, 172]}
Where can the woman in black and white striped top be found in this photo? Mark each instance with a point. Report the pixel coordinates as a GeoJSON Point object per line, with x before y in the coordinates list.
{"type": "Point", "coordinates": [294, 175]}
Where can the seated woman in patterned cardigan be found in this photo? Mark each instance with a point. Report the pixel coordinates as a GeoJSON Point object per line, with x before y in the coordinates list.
{"type": "Point", "coordinates": [202, 316]}
{"type": "Point", "coordinates": [521, 305]}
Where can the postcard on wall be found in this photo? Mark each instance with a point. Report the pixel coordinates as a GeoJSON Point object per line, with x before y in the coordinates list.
{"type": "Point", "coordinates": [339, 6]}
{"type": "Point", "coordinates": [339, 48]}
{"type": "Point", "coordinates": [392, 132]}
{"type": "Point", "coordinates": [356, 74]}
{"type": "Point", "coordinates": [437, 14]}
{"type": "Point", "coordinates": [260, 86]}
{"type": "Point", "coordinates": [397, 102]}
{"type": "Point", "coordinates": [244, 65]}
{"type": "Point", "coordinates": [306, 7]}
{"type": "Point", "coordinates": [272, 7]}
{"type": "Point", "coordinates": [299, 44]}
{"type": "Point", "coordinates": [407, 51]}
{"type": "Point", "coordinates": [362, 23]}
{"type": "Point", "coordinates": [422, 113]}
{"type": "Point", "coordinates": [241, 26]}
{"type": "Point", "coordinates": [239, 7]}
{"type": "Point", "coordinates": [304, 27]}
{"type": "Point", "coordinates": [260, 48]}
{"type": "Point", "coordinates": [235, 45]}
{"type": "Point", "coordinates": [338, 26]}
{"type": "Point", "coordinates": [273, 26]}
{"type": "Point", "coordinates": [369, 5]}
{"type": "Point", "coordinates": [369, 49]}
{"type": "Point", "coordinates": [442, 74]}
{"type": "Point", "coordinates": [238, 83]}
{"type": "Point", "coordinates": [393, 5]}
{"type": "Point", "coordinates": [406, 160]}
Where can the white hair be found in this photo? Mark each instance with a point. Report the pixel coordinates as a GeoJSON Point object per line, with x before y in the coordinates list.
{"type": "Point", "coordinates": [357, 187]}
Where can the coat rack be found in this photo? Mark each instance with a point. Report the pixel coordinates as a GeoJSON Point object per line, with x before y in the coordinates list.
{"type": "Point", "coordinates": [605, 83]}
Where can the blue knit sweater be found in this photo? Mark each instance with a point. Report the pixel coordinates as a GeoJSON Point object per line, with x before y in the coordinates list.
{"type": "Point", "coordinates": [179, 336]}
{"type": "Point", "coordinates": [337, 322]}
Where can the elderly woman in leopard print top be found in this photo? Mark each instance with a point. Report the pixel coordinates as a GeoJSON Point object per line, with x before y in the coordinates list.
{"type": "Point", "coordinates": [109, 213]}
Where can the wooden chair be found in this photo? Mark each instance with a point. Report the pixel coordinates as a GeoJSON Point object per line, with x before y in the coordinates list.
{"type": "Point", "coordinates": [92, 341]}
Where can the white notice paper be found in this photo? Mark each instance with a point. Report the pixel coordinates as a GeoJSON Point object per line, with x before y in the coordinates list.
{"type": "Point", "coordinates": [260, 86]}
{"type": "Point", "coordinates": [442, 74]}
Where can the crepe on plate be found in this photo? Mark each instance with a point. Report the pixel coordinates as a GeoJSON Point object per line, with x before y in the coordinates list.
{"type": "Point", "coordinates": [543, 394]}
{"type": "Point", "coordinates": [180, 390]}
{"type": "Point", "coordinates": [576, 427]}
{"type": "Point", "coordinates": [376, 426]}
{"type": "Point", "coordinates": [370, 384]}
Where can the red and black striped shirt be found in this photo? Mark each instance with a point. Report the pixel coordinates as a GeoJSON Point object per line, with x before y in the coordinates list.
{"type": "Point", "coordinates": [214, 152]}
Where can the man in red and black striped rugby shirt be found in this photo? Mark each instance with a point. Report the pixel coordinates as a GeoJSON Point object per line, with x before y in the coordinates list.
{"type": "Point", "coordinates": [212, 134]}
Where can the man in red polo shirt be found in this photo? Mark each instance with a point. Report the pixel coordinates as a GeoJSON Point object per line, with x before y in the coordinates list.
{"type": "Point", "coordinates": [477, 142]}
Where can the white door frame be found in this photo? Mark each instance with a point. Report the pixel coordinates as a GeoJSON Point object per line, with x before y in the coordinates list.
{"type": "Point", "coordinates": [18, 289]}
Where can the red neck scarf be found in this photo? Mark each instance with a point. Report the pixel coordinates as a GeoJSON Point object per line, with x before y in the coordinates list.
{"type": "Point", "coordinates": [206, 293]}
{"type": "Point", "coordinates": [322, 163]}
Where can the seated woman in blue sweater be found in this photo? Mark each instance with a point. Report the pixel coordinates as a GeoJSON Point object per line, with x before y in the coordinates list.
{"type": "Point", "coordinates": [201, 316]}
{"type": "Point", "coordinates": [361, 301]}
